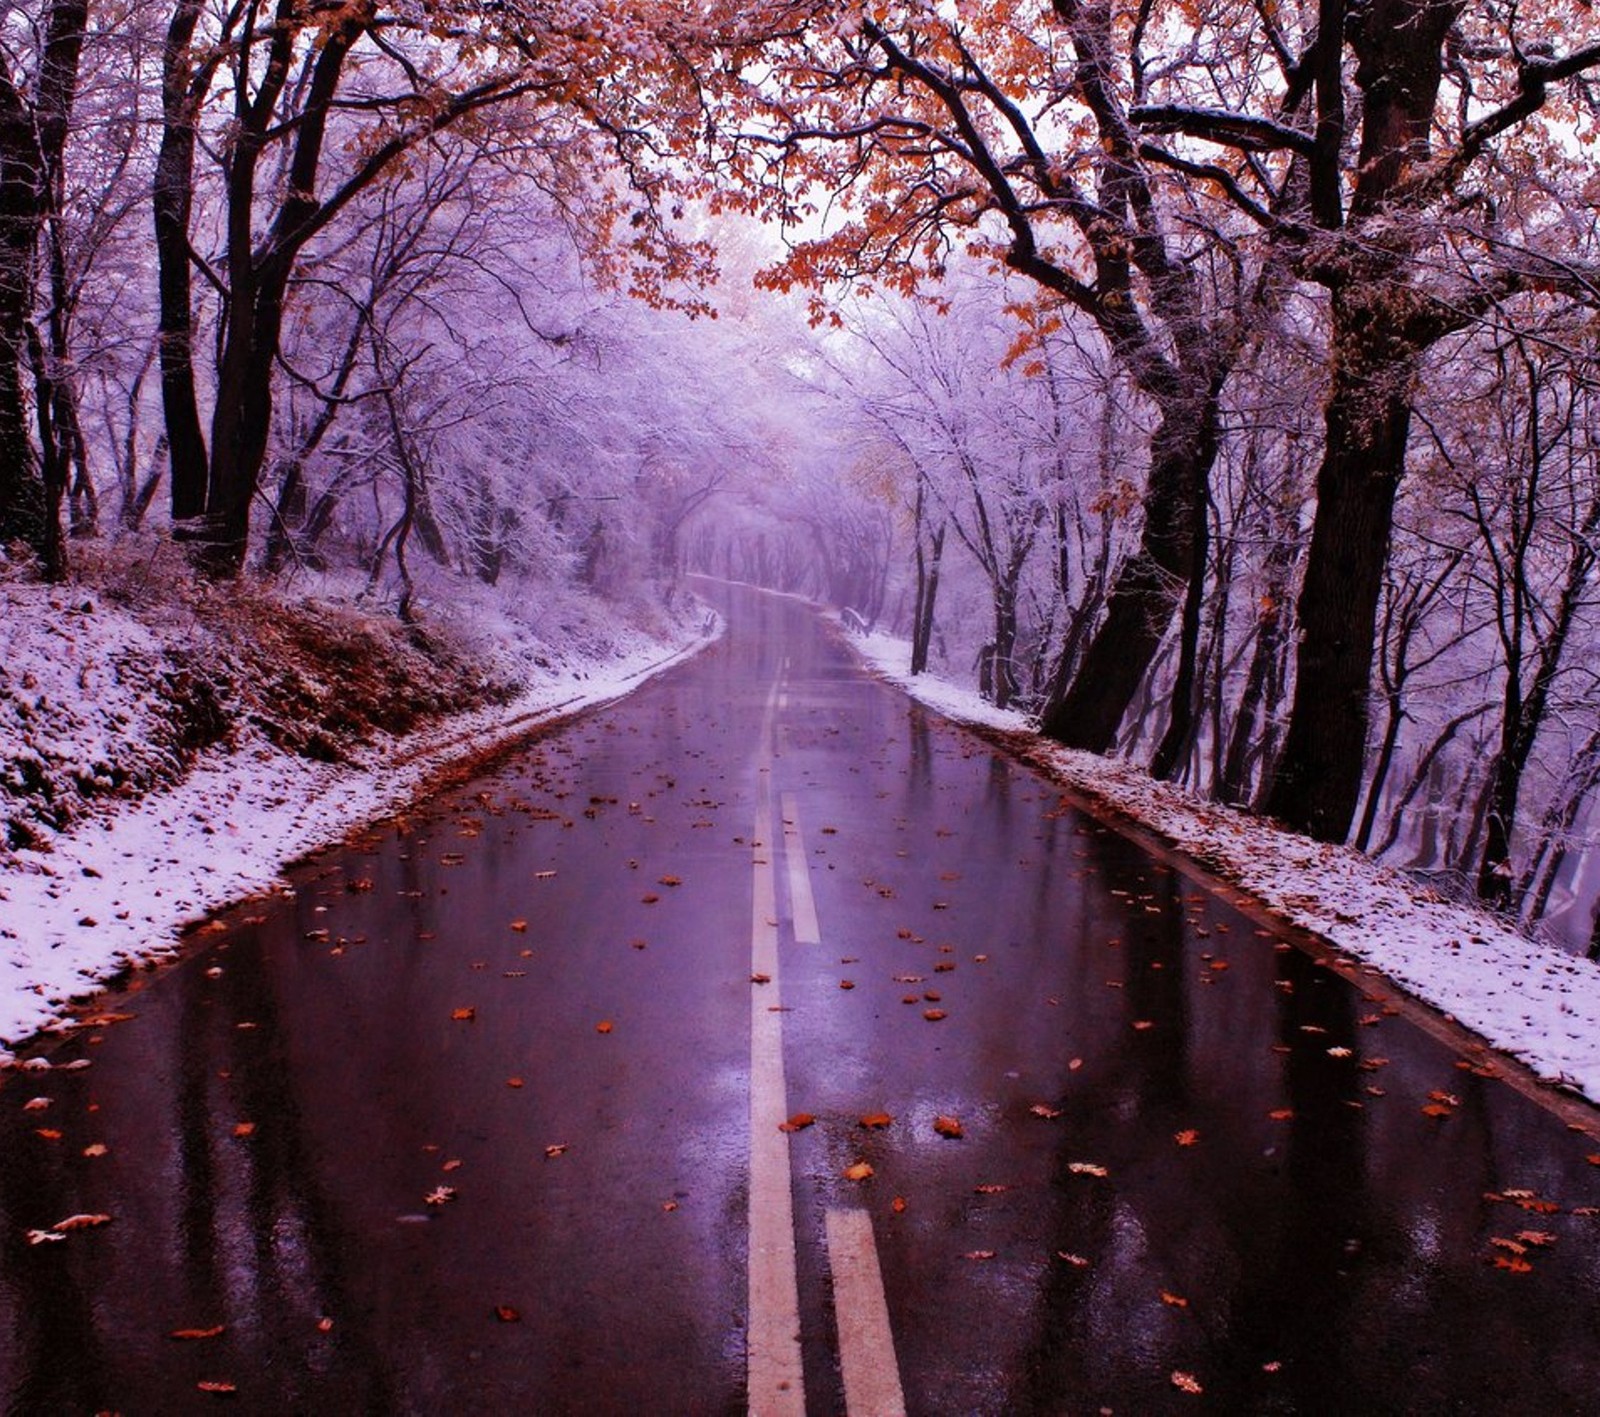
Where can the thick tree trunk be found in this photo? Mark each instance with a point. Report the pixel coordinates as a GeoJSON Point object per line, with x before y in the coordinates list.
{"type": "Point", "coordinates": [1148, 585]}
{"type": "Point", "coordinates": [172, 200]}
{"type": "Point", "coordinates": [1317, 783]}
{"type": "Point", "coordinates": [1175, 743]}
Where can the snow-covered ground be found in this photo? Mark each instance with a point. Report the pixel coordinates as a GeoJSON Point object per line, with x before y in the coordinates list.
{"type": "Point", "coordinates": [118, 884]}
{"type": "Point", "coordinates": [1536, 1003]}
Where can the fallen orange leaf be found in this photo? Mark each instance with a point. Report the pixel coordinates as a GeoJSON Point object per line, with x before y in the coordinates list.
{"type": "Point", "coordinates": [1187, 1137]}
{"type": "Point", "coordinates": [193, 1333]}
{"type": "Point", "coordinates": [797, 1123]}
{"type": "Point", "coordinates": [1186, 1382]}
{"type": "Point", "coordinates": [604, 1026]}
{"type": "Point", "coordinates": [1175, 1301]}
{"type": "Point", "coordinates": [949, 1127]}
{"type": "Point", "coordinates": [858, 1172]}
{"type": "Point", "coordinates": [876, 1120]}
{"type": "Point", "coordinates": [463, 1015]}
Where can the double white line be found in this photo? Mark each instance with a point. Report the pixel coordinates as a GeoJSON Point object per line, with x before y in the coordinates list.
{"type": "Point", "coordinates": [775, 1374]}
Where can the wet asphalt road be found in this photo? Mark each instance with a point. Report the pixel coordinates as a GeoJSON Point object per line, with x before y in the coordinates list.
{"type": "Point", "coordinates": [463, 1124]}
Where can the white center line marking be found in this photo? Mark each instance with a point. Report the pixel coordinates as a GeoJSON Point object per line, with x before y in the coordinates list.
{"type": "Point", "coordinates": [802, 905]}
{"type": "Point", "coordinates": [866, 1344]}
{"type": "Point", "coordinates": [774, 1379]}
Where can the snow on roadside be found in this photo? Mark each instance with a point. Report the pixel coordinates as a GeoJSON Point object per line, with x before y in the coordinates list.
{"type": "Point", "coordinates": [116, 889]}
{"type": "Point", "coordinates": [1537, 1003]}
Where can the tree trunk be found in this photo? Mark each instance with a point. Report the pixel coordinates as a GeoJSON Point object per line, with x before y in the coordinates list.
{"type": "Point", "coordinates": [1175, 743]}
{"type": "Point", "coordinates": [33, 136]}
{"type": "Point", "coordinates": [1318, 780]}
{"type": "Point", "coordinates": [1148, 585]}
{"type": "Point", "coordinates": [172, 200]}
{"type": "Point", "coordinates": [1524, 717]}
{"type": "Point", "coordinates": [22, 501]}
{"type": "Point", "coordinates": [927, 599]}
{"type": "Point", "coordinates": [1394, 717]}
{"type": "Point", "coordinates": [1005, 644]}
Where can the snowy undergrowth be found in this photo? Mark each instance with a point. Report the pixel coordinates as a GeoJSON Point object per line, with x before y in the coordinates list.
{"type": "Point", "coordinates": [138, 797]}
{"type": "Point", "coordinates": [1534, 1002]}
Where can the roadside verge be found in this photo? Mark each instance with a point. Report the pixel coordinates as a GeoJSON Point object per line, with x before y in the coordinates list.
{"type": "Point", "coordinates": [116, 892]}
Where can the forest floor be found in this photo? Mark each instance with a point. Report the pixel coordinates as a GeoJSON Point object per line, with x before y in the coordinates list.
{"type": "Point", "coordinates": [165, 747]}
{"type": "Point", "coordinates": [1528, 999]}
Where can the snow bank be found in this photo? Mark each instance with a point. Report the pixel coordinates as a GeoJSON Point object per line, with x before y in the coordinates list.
{"type": "Point", "coordinates": [1527, 999]}
{"type": "Point", "coordinates": [117, 884]}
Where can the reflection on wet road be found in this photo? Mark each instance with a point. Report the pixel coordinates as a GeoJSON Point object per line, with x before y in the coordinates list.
{"type": "Point", "coordinates": [463, 1123]}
